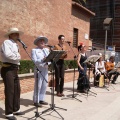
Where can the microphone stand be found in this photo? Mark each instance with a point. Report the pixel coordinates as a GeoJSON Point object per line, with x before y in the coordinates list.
{"type": "Point", "coordinates": [38, 71]}
{"type": "Point", "coordinates": [53, 57]}
{"type": "Point", "coordinates": [88, 90]}
{"type": "Point", "coordinates": [73, 95]}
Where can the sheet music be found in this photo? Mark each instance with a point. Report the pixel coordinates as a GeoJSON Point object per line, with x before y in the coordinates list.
{"type": "Point", "coordinates": [54, 55]}
{"type": "Point", "coordinates": [92, 58]}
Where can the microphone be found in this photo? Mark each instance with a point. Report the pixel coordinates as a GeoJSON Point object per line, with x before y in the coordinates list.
{"type": "Point", "coordinates": [68, 42]}
{"type": "Point", "coordinates": [24, 46]}
{"type": "Point", "coordinates": [49, 46]}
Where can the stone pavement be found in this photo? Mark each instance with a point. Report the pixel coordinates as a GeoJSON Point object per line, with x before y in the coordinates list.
{"type": "Point", "coordinates": [104, 106]}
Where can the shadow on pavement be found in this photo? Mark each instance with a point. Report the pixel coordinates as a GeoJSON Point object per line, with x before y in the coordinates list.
{"type": "Point", "coordinates": [70, 89]}
{"type": "Point", "coordinates": [26, 102]}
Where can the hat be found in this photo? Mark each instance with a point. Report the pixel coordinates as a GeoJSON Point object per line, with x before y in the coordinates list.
{"type": "Point", "coordinates": [100, 54]}
{"type": "Point", "coordinates": [112, 53]}
{"type": "Point", "coordinates": [13, 30]}
{"type": "Point", "coordinates": [40, 38]}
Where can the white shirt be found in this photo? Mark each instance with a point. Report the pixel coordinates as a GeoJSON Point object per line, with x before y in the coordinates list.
{"type": "Point", "coordinates": [100, 66]}
{"type": "Point", "coordinates": [9, 52]}
{"type": "Point", "coordinates": [38, 56]}
{"type": "Point", "coordinates": [83, 54]}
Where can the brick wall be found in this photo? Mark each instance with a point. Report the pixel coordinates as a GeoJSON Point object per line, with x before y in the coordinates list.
{"type": "Point", "coordinates": [43, 17]}
{"type": "Point", "coordinates": [1, 91]}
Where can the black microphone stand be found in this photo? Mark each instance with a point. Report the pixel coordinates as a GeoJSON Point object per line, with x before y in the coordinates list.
{"type": "Point", "coordinates": [88, 90]}
{"type": "Point", "coordinates": [38, 71]}
{"type": "Point", "coordinates": [73, 95]}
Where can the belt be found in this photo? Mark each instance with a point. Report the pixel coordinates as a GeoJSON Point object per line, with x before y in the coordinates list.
{"type": "Point", "coordinates": [6, 64]}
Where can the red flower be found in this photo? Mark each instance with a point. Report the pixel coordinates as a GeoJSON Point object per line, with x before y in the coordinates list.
{"type": "Point", "coordinates": [81, 44]}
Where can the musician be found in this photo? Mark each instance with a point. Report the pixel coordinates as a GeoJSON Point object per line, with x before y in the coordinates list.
{"type": "Point", "coordinates": [38, 55]}
{"type": "Point", "coordinates": [83, 82]}
{"type": "Point", "coordinates": [110, 66]}
{"type": "Point", "coordinates": [10, 58]}
{"type": "Point", "coordinates": [99, 68]}
{"type": "Point", "coordinates": [59, 67]}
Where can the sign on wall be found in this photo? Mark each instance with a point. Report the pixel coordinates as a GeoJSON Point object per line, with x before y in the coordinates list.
{"type": "Point", "coordinates": [86, 36]}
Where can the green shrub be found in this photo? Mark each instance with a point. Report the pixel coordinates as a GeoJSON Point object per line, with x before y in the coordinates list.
{"type": "Point", "coordinates": [66, 63]}
{"type": "Point", "coordinates": [27, 65]}
{"type": "Point", "coordinates": [70, 64]}
{"type": "Point", "coordinates": [73, 64]}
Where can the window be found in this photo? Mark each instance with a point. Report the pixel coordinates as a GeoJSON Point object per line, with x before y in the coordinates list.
{"type": "Point", "coordinates": [75, 37]}
{"type": "Point", "coordinates": [81, 2]}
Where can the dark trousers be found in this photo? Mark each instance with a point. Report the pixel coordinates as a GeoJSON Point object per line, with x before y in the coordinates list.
{"type": "Point", "coordinates": [59, 76]}
{"type": "Point", "coordinates": [83, 81]}
{"type": "Point", "coordinates": [12, 89]}
{"type": "Point", "coordinates": [115, 73]}
{"type": "Point", "coordinates": [96, 80]}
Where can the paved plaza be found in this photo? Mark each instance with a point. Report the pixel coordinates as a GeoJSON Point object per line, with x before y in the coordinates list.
{"type": "Point", "coordinates": [103, 106]}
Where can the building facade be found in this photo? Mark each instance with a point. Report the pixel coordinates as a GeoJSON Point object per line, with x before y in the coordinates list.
{"type": "Point", "coordinates": [46, 17]}
{"type": "Point", "coordinates": [105, 9]}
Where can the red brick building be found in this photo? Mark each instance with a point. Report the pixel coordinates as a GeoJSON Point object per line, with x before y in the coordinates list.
{"type": "Point", "coordinates": [45, 17]}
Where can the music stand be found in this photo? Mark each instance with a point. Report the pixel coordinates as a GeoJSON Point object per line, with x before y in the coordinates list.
{"type": "Point", "coordinates": [92, 59]}
{"type": "Point", "coordinates": [53, 57]}
{"type": "Point", "coordinates": [117, 65]}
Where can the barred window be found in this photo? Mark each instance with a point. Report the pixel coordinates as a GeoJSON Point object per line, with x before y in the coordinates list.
{"type": "Point", "coordinates": [75, 37]}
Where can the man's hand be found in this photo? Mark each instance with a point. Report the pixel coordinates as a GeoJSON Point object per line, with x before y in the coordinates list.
{"type": "Point", "coordinates": [45, 66]}
{"type": "Point", "coordinates": [44, 58]}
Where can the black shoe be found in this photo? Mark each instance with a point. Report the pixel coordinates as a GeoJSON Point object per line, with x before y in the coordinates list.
{"type": "Point", "coordinates": [37, 105]}
{"type": "Point", "coordinates": [86, 91]}
{"type": "Point", "coordinates": [43, 103]}
{"type": "Point", "coordinates": [59, 95]}
{"type": "Point", "coordinates": [81, 91]}
{"type": "Point", "coordinates": [11, 118]}
{"type": "Point", "coordinates": [19, 113]}
{"type": "Point", "coordinates": [62, 94]}
{"type": "Point", "coordinates": [113, 82]}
